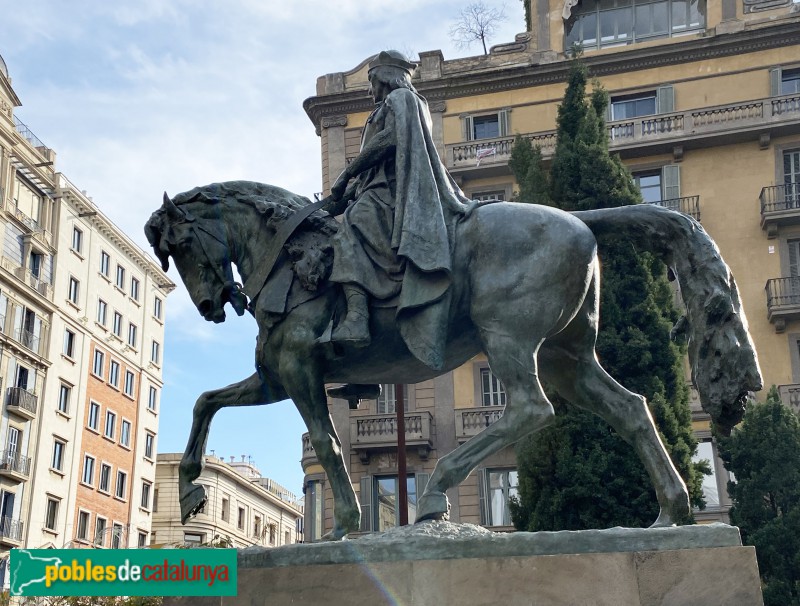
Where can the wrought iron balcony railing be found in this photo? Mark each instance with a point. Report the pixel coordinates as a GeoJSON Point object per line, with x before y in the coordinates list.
{"type": "Point", "coordinates": [22, 400]}
{"type": "Point", "coordinates": [12, 461]}
{"type": "Point", "coordinates": [783, 301]}
{"type": "Point", "coordinates": [780, 205]}
{"type": "Point", "coordinates": [11, 529]}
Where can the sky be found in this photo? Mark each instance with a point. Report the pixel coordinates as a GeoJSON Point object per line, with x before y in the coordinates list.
{"type": "Point", "coordinates": [145, 96]}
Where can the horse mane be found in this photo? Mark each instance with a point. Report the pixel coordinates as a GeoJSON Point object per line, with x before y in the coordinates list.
{"type": "Point", "coordinates": [309, 247]}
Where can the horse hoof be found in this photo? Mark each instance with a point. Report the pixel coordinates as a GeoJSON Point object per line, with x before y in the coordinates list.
{"type": "Point", "coordinates": [433, 506]}
{"type": "Point", "coordinates": [192, 502]}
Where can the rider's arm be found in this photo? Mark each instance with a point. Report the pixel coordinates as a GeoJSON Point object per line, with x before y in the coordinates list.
{"type": "Point", "coordinates": [380, 146]}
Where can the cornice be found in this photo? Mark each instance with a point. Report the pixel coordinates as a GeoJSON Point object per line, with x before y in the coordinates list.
{"type": "Point", "coordinates": [635, 58]}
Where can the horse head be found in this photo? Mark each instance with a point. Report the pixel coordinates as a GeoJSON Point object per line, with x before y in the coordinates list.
{"type": "Point", "coordinates": [197, 243]}
{"type": "Point", "coordinates": [725, 366]}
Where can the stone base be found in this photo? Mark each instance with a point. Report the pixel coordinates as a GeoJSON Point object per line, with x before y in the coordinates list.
{"type": "Point", "coordinates": [438, 563]}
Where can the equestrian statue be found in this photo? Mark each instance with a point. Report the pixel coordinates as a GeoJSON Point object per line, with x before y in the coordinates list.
{"type": "Point", "coordinates": [415, 280]}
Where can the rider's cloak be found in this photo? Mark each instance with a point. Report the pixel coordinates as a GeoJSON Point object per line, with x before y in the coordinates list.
{"type": "Point", "coordinates": [396, 239]}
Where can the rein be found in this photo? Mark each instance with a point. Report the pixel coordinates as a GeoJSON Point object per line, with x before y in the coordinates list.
{"type": "Point", "coordinates": [227, 280]}
{"type": "Point", "coordinates": [255, 283]}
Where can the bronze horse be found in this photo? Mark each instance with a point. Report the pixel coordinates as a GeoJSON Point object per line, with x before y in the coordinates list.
{"type": "Point", "coordinates": [525, 282]}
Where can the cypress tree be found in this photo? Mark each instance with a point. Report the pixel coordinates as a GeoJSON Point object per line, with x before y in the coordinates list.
{"type": "Point", "coordinates": [526, 164]}
{"type": "Point", "coordinates": [579, 473]}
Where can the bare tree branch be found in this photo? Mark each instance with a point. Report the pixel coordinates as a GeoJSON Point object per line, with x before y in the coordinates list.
{"type": "Point", "coordinates": [476, 22]}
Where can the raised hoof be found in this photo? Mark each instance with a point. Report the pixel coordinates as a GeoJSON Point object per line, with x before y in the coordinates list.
{"type": "Point", "coordinates": [192, 502]}
{"type": "Point", "coordinates": [433, 506]}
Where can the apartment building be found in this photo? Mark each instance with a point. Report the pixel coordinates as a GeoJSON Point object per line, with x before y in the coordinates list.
{"type": "Point", "coordinates": [28, 216]}
{"type": "Point", "coordinates": [82, 310]}
{"type": "Point", "coordinates": [243, 509]}
{"type": "Point", "coordinates": [705, 112]}
{"type": "Point", "coordinates": [93, 482]}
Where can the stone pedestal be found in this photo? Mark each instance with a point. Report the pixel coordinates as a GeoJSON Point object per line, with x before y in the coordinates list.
{"type": "Point", "coordinates": [445, 564]}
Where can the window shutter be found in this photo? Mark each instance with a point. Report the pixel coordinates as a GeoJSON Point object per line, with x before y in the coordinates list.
{"type": "Point", "coordinates": [503, 126]}
{"type": "Point", "coordinates": [482, 497]}
{"type": "Point", "coordinates": [665, 99]}
{"type": "Point", "coordinates": [775, 76]}
{"type": "Point", "coordinates": [17, 322]}
{"type": "Point", "coordinates": [794, 245]}
{"type": "Point", "coordinates": [671, 182]}
{"type": "Point", "coordinates": [469, 130]}
{"type": "Point", "coordinates": [366, 504]}
{"type": "Point", "coordinates": [609, 112]}
{"type": "Point", "coordinates": [421, 482]}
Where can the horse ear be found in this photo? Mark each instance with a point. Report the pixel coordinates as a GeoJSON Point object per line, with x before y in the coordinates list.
{"type": "Point", "coordinates": [173, 212]}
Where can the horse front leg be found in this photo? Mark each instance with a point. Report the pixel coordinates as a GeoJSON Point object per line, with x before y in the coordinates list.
{"type": "Point", "coordinates": [253, 391]}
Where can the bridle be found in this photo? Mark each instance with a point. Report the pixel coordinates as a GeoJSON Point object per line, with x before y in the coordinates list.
{"type": "Point", "coordinates": [229, 285]}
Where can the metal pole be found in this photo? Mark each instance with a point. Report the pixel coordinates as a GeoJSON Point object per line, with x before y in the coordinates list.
{"type": "Point", "coordinates": [402, 474]}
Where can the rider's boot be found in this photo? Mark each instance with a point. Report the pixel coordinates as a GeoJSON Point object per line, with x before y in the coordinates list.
{"type": "Point", "coordinates": [354, 330]}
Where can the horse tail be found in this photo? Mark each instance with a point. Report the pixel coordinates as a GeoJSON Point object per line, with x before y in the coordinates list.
{"type": "Point", "coordinates": [722, 356]}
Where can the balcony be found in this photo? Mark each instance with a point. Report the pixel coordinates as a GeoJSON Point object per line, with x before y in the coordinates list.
{"type": "Point", "coordinates": [783, 301]}
{"type": "Point", "coordinates": [790, 396]}
{"type": "Point", "coordinates": [374, 433]}
{"type": "Point", "coordinates": [780, 207]}
{"type": "Point", "coordinates": [688, 205]}
{"type": "Point", "coordinates": [309, 454]}
{"type": "Point", "coordinates": [471, 421]}
{"type": "Point", "coordinates": [35, 282]}
{"type": "Point", "coordinates": [27, 339]}
{"type": "Point", "coordinates": [11, 531]}
{"type": "Point", "coordinates": [647, 135]}
{"type": "Point", "coordinates": [14, 465]}
{"type": "Point", "coordinates": [22, 402]}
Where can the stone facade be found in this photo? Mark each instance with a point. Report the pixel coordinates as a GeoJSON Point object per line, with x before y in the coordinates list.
{"type": "Point", "coordinates": [705, 114]}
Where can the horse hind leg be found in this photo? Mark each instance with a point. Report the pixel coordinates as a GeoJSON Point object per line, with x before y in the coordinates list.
{"type": "Point", "coordinates": [572, 368]}
{"type": "Point", "coordinates": [527, 410]}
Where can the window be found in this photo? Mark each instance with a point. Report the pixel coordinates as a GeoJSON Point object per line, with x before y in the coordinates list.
{"type": "Point", "coordinates": [500, 486]}
{"type": "Point", "coordinates": [105, 478]}
{"type": "Point", "coordinates": [380, 511]}
{"type": "Point", "coordinates": [74, 290]}
{"type": "Point", "coordinates": [492, 392]}
{"type": "Point", "coordinates": [155, 500]}
{"type": "Point", "coordinates": [152, 399]}
{"type": "Point", "coordinates": [64, 395]}
{"type": "Point", "coordinates": [146, 494]}
{"type": "Point", "coordinates": [100, 531]}
{"type": "Point", "coordinates": [225, 510]}
{"type": "Point", "coordinates": [57, 462]}
{"type": "Point", "coordinates": [488, 126]}
{"type": "Point", "coordinates": [27, 328]}
{"type": "Point", "coordinates": [51, 514]}
{"type": "Point", "coordinates": [649, 184]}
{"type": "Point", "coordinates": [113, 373]}
{"type": "Point", "coordinates": [705, 451]}
{"type": "Point", "coordinates": [257, 527]}
{"type": "Point", "coordinates": [791, 177]}
{"type": "Point", "coordinates": [84, 518]}
{"type": "Point", "coordinates": [69, 343]}
{"type": "Point", "coordinates": [240, 519]}
{"type": "Point", "coordinates": [35, 264]}
{"type": "Point", "coordinates": [618, 22]}
{"type": "Point", "coordinates": [315, 503]}
{"type": "Point", "coordinates": [116, 536]}
{"type": "Point", "coordinates": [273, 533]}
{"type": "Point", "coordinates": [129, 379]}
{"type": "Point", "coordinates": [120, 277]}
{"type": "Point", "coordinates": [102, 312]}
{"type": "Point", "coordinates": [94, 416]}
{"type": "Point", "coordinates": [489, 195]}
{"type": "Point", "coordinates": [77, 240]}
{"type": "Point", "coordinates": [387, 401]}
{"type": "Point", "coordinates": [142, 540]}
{"type": "Point", "coordinates": [13, 442]}
{"type": "Point", "coordinates": [155, 352]}
{"type": "Point", "coordinates": [28, 202]}
{"type": "Point", "coordinates": [122, 478]}
{"type": "Point", "coordinates": [784, 81]}
{"type": "Point", "coordinates": [111, 421]}
{"type": "Point", "coordinates": [99, 363]}
{"type": "Point", "coordinates": [125, 433]}
{"type": "Point", "coordinates": [132, 335]}
{"type": "Point", "coordinates": [624, 108]}
{"type": "Point", "coordinates": [157, 307]}
{"type": "Point", "coordinates": [105, 263]}
{"type": "Point", "coordinates": [134, 289]}
{"type": "Point", "coordinates": [116, 326]}
{"type": "Point", "coordinates": [88, 470]}
{"type": "Point", "coordinates": [149, 443]}
{"type": "Point", "coordinates": [193, 539]}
